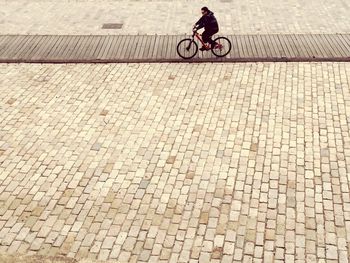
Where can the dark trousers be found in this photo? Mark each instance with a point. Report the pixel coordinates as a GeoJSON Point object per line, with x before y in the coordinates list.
{"type": "Point", "coordinates": [207, 34]}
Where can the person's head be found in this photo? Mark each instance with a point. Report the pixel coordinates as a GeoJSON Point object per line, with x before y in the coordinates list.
{"type": "Point", "coordinates": [205, 10]}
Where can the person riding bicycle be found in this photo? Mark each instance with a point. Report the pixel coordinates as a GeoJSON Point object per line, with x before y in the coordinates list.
{"type": "Point", "coordinates": [211, 27]}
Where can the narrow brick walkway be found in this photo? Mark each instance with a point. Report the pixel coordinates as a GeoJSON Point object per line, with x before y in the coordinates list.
{"type": "Point", "coordinates": [153, 48]}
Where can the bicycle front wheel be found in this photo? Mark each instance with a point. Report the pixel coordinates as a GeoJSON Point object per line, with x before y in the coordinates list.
{"type": "Point", "coordinates": [223, 47]}
{"type": "Point", "coordinates": [187, 48]}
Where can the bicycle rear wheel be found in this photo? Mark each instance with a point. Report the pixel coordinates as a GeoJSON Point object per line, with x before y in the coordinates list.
{"type": "Point", "coordinates": [223, 47]}
{"type": "Point", "coordinates": [187, 48]}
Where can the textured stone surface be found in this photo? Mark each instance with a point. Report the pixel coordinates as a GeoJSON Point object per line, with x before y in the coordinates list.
{"type": "Point", "coordinates": [4, 258]}
{"type": "Point", "coordinates": [173, 16]}
{"type": "Point", "coordinates": [231, 162]}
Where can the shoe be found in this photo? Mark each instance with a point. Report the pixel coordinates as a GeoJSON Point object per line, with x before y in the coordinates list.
{"type": "Point", "coordinates": [214, 46]}
{"type": "Point", "coordinates": [219, 46]}
{"type": "Point", "coordinates": [203, 48]}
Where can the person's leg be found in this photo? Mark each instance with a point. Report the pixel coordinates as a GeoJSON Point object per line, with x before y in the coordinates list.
{"type": "Point", "coordinates": [210, 40]}
{"type": "Point", "coordinates": [205, 37]}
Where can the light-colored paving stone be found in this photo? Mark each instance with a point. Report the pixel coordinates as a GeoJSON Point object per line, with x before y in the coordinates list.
{"type": "Point", "coordinates": [169, 162]}
{"type": "Point", "coordinates": [173, 17]}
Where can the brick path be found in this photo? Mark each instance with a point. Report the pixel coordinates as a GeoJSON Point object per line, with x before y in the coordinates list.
{"type": "Point", "coordinates": [176, 162]}
{"type": "Point", "coordinates": [61, 17]}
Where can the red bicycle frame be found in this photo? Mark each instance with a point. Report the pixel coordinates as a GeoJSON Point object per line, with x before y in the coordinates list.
{"type": "Point", "coordinates": [207, 46]}
{"type": "Point", "coordinates": [198, 36]}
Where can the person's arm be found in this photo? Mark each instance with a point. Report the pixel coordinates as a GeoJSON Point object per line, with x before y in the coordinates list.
{"type": "Point", "coordinates": [200, 23]}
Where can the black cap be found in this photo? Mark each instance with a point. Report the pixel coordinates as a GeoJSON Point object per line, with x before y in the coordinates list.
{"type": "Point", "coordinates": [205, 9]}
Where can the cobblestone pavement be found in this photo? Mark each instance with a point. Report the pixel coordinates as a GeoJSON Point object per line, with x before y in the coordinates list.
{"type": "Point", "coordinates": [176, 162]}
{"type": "Point", "coordinates": [173, 17]}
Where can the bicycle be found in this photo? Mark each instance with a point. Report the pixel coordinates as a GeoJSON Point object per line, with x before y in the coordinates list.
{"type": "Point", "coordinates": [188, 48]}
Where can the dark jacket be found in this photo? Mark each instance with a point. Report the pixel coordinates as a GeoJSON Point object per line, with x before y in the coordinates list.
{"type": "Point", "coordinates": [208, 21]}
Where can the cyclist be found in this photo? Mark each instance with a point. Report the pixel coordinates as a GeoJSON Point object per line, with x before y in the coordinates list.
{"type": "Point", "coordinates": [211, 27]}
